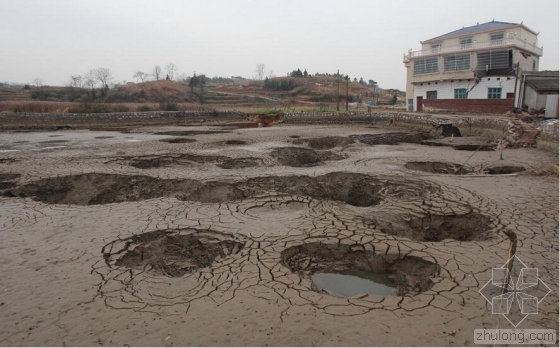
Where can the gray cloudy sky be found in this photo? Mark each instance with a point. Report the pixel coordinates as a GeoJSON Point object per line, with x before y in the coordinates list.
{"type": "Point", "coordinates": [54, 39]}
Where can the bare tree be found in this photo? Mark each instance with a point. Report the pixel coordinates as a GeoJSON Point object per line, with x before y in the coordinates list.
{"type": "Point", "coordinates": [171, 68]}
{"type": "Point", "coordinates": [103, 75]}
{"type": "Point", "coordinates": [90, 81]}
{"type": "Point", "coordinates": [260, 71]}
{"type": "Point", "coordinates": [142, 76]}
{"type": "Point", "coordinates": [271, 74]}
{"type": "Point", "coordinates": [156, 72]}
{"type": "Point", "coordinates": [76, 82]}
{"type": "Point", "coordinates": [37, 82]}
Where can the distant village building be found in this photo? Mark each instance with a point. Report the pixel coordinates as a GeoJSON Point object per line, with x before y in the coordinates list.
{"type": "Point", "coordinates": [473, 69]}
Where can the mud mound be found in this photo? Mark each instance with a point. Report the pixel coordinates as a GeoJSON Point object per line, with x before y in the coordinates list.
{"type": "Point", "coordinates": [303, 157]}
{"type": "Point", "coordinates": [435, 228]}
{"type": "Point", "coordinates": [439, 167]}
{"type": "Point", "coordinates": [326, 143]}
{"type": "Point", "coordinates": [191, 132]}
{"type": "Point", "coordinates": [95, 188]}
{"type": "Point", "coordinates": [239, 163]}
{"type": "Point", "coordinates": [504, 169]}
{"type": "Point", "coordinates": [178, 140]}
{"type": "Point", "coordinates": [411, 275]}
{"type": "Point", "coordinates": [391, 138]}
{"type": "Point", "coordinates": [6, 180]}
{"type": "Point", "coordinates": [48, 142]}
{"type": "Point", "coordinates": [172, 253]}
{"type": "Point", "coordinates": [105, 137]}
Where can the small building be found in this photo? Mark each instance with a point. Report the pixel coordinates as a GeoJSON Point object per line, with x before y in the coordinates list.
{"type": "Point", "coordinates": [539, 91]}
{"type": "Point", "coordinates": [472, 69]}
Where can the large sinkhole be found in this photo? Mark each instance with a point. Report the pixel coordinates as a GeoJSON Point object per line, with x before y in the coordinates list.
{"type": "Point", "coordinates": [171, 253]}
{"type": "Point", "coordinates": [439, 167]}
{"type": "Point", "coordinates": [95, 188]}
{"type": "Point", "coordinates": [435, 227]}
{"type": "Point", "coordinates": [348, 270]}
{"type": "Point", "coordinates": [304, 157]}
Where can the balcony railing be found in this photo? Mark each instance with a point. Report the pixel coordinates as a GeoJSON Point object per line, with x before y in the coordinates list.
{"type": "Point", "coordinates": [475, 46]}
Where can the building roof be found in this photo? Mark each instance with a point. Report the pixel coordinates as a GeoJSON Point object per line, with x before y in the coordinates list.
{"type": "Point", "coordinates": [490, 26]}
{"type": "Point", "coordinates": [544, 85]}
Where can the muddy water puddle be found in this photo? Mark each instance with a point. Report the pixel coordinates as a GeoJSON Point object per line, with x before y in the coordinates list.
{"type": "Point", "coordinates": [353, 282]}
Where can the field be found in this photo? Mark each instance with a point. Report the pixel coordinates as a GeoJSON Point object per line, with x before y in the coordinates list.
{"type": "Point", "coordinates": [218, 235]}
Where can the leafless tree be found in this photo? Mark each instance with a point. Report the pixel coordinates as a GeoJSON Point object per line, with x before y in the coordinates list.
{"type": "Point", "coordinates": [156, 72]}
{"type": "Point", "coordinates": [76, 82]}
{"type": "Point", "coordinates": [260, 71]}
{"type": "Point", "coordinates": [142, 76]}
{"type": "Point", "coordinates": [171, 68]}
{"type": "Point", "coordinates": [103, 75]}
{"type": "Point", "coordinates": [90, 79]}
{"type": "Point", "coordinates": [271, 74]}
{"type": "Point", "coordinates": [37, 82]}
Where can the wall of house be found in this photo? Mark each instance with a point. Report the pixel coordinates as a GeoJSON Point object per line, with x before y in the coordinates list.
{"type": "Point", "coordinates": [533, 100]}
{"type": "Point", "coordinates": [446, 89]}
{"type": "Point", "coordinates": [485, 106]}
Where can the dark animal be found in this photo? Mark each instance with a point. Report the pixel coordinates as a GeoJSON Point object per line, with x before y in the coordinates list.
{"type": "Point", "coordinates": [448, 130]}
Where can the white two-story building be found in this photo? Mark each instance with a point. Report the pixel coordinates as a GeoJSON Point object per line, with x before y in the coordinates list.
{"type": "Point", "coordinates": [473, 69]}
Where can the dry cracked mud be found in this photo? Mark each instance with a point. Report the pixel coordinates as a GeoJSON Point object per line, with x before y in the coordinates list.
{"type": "Point", "coordinates": [183, 249]}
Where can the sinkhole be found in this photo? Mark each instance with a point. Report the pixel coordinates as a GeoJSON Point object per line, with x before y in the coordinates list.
{"type": "Point", "coordinates": [171, 253]}
{"type": "Point", "coordinates": [348, 270]}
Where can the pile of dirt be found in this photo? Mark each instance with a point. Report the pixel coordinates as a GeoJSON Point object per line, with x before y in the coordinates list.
{"type": "Point", "coordinates": [178, 140]}
{"type": "Point", "coordinates": [146, 162]}
{"type": "Point", "coordinates": [411, 275]}
{"type": "Point", "coordinates": [240, 163]}
{"type": "Point", "coordinates": [190, 132]}
{"type": "Point", "coordinates": [504, 169]}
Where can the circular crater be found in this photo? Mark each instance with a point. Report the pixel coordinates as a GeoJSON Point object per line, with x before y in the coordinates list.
{"type": "Point", "coordinates": [171, 253]}
{"type": "Point", "coordinates": [235, 142]}
{"type": "Point", "coordinates": [439, 167]}
{"type": "Point", "coordinates": [391, 138]}
{"type": "Point", "coordinates": [178, 140]}
{"type": "Point", "coordinates": [191, 132]}
{"type": "Point", "coordinates": [6, 180]}
{"type": "Point", "coordinates": [504, 170]}
{"type": "Point", "coordinates": [326, 143]}
{"type": "Point", "coordinates": [97, 188]}
{"type": "Point", "coordinates": [474, 147]}
{"type": "Point", "coordinates": [406, 275]}
{"type": "Point", "coordinates": [471, 226]}
{"type": "Point", "coordinates": [240, 163]}
{"type": "Point", "coordinates": [303, 157]}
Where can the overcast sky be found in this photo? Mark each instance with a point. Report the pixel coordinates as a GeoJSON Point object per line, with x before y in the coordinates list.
{"type": "Point", "coordinates": [54, 39]}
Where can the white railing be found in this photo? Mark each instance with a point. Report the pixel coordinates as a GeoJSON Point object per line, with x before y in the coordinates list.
{"type": "Point", "coordinates": [477, 45]}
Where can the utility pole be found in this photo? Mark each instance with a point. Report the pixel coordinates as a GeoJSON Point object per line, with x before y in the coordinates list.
{"type": "Point", "coordinates": [515, 86]}
{"type": "Point", "coordinates": [338, 90]}
{"type": "Point", "coordinates": [347, 78]}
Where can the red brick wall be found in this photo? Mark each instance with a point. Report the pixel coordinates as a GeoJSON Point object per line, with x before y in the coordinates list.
{"type": "Point", "coordinates": [486, 106]}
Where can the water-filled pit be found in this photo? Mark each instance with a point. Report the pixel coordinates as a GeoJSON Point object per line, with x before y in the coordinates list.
{"type": "Point", "coordinates": [348, 270]}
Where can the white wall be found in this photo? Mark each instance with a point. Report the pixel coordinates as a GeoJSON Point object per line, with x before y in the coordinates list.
{"type": "Point", "coordinates": [446, 89]}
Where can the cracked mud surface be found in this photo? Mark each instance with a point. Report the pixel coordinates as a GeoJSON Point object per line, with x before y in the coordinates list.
{"type": "Point", "coordinates": [439, 167]}
{"type": "Point", "coordinates": [205, 248]}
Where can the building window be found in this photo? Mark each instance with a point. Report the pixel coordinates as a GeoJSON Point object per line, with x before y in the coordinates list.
{"type": "Point", "coordinates": [495, 59]}
{"type": "Point", "coordinates": [460, 93]}
{"type": "Point", "coordinates": [466, 43]}
{"type": "Point", "coordinates": [494, 93]}
{"type": "Point", "coordinates": [436, 47]}
{"type": "Point", "coordinates": [426, 66]}
{"type": "Point", "coordinates": [457, 62]}
{"type": "Point", "coordinates": [431, 95]}
{"type": "Point", "coordinates": [497, 38]}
